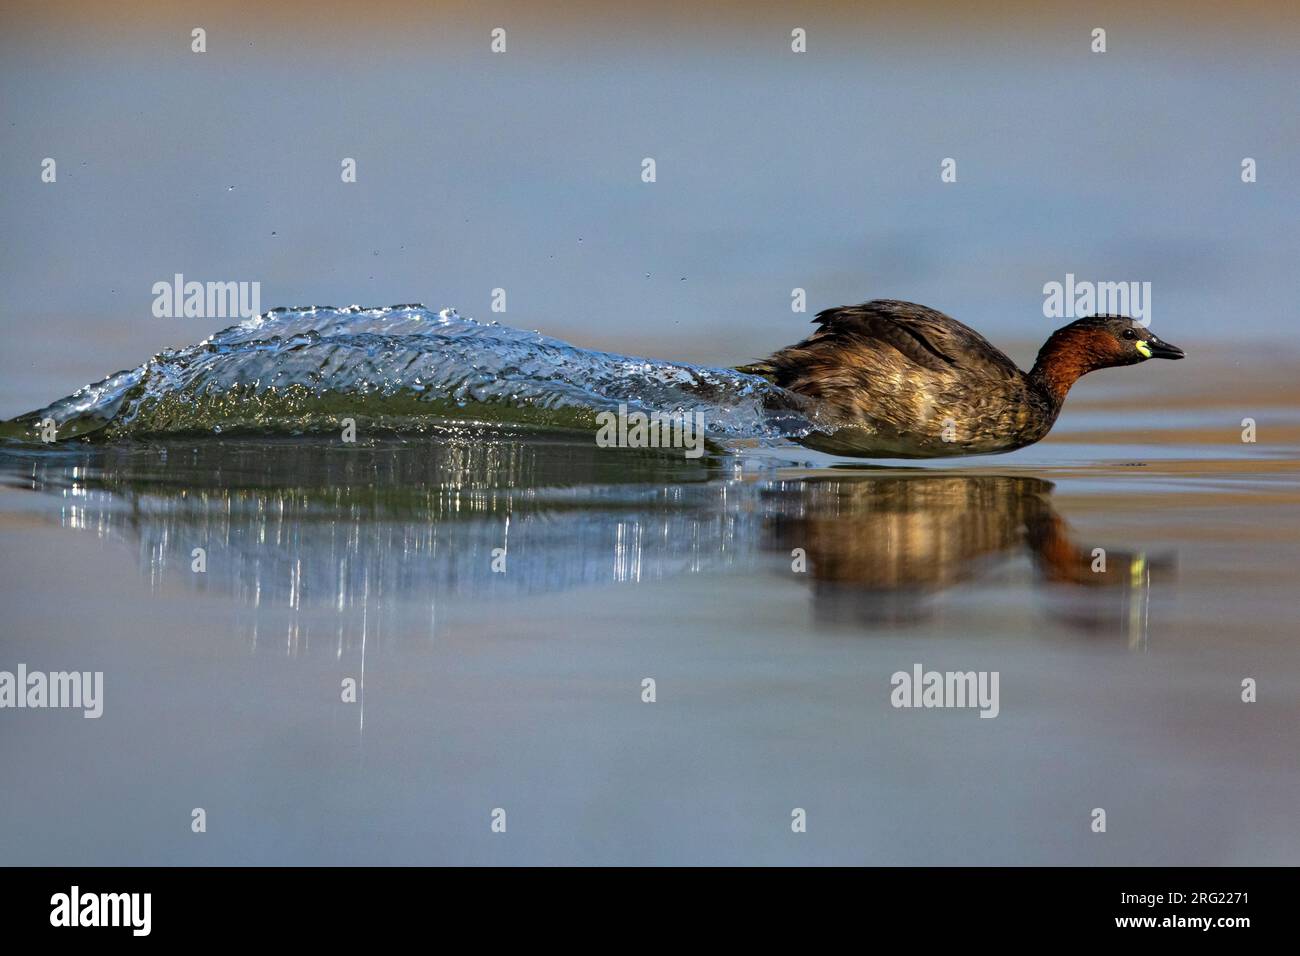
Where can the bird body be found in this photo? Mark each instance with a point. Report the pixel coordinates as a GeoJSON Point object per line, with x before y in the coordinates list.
{"type": "Point", "coordinates": [892, 379]}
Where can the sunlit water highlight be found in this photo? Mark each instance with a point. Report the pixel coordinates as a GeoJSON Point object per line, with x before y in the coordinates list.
{"type": "Point", "coordinates": [400, 368]}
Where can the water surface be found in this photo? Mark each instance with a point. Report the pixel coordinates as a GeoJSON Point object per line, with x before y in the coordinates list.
{"type": "Point", "coordinates": [522, 688]}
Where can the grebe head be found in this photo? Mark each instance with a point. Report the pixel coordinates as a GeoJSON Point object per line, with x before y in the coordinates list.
{"type": "Point", "coordinates": [1099, 341]}
{"type": "Point", "coordinates": [1105, 341]}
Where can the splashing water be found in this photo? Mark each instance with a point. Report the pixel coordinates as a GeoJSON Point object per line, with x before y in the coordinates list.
{"type": "Point", "coordinates": [400, 369]}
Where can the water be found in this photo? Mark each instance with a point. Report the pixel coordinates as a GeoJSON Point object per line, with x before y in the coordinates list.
{"type": "Point", "coordinates": [501, 597]}
{"type": "Point", "coordinates": [521, 689]}
{"type": "Point", "coordinates": [399, 368]}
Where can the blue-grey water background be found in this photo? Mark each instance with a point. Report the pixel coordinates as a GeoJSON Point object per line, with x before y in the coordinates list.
{"type": "Point", "coordinates": [522, 171]}
{"type": "Point", "coordinates": [523, 690]}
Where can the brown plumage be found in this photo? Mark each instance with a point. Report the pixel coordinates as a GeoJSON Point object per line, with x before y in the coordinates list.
{"type": "Point", "coordinates": [879, 543]}
{"type": "Point", "coordinates": [890, 379]}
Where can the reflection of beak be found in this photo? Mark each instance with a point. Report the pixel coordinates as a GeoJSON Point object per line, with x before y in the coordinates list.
{"type": "Point", "coordinates": [1164, 350]}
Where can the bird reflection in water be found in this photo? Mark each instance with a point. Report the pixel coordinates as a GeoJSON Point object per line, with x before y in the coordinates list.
{"type": "Point", "coordinates": [292, 526]}
{"type": "Point", "coordinates": [878, 547]}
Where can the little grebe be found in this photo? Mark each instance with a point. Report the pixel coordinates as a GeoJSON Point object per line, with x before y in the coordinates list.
{"type": "Point", "coordinates": [898, 380]}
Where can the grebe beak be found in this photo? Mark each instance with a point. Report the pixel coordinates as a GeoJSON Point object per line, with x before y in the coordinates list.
{"type": "Point", "coordinates": [1163, 350]}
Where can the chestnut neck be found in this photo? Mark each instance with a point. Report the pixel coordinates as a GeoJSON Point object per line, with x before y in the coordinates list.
{"type": "Point", "coordinates": [1062, 361]}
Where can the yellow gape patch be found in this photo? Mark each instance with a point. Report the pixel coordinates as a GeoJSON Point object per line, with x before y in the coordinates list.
{"type": "Point", "coordinates": [1143, 349]}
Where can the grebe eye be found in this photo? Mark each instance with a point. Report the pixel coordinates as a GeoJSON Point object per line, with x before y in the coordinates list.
{"type": "Point", "coordinates": [1130, 334]}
